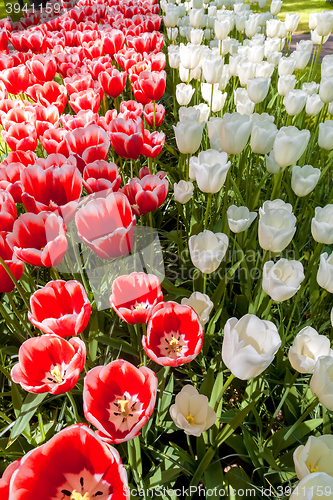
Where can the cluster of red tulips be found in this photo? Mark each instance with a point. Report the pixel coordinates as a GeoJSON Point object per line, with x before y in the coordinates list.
{"type": "Point", "coordinates": [83, 62]}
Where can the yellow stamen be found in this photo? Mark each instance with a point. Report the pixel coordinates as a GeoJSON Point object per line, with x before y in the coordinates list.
{"type": "Point", "coordinates": [123, 403]}
{"type": "Point", "coordinates": [77, 496]}
{"type": "Point", "coordinates": [139, 306]}
{"type": "Point", "coordinates": [56, 374]}
{"type": "Point", "coordinates": [190, 419]}
{"type": "Point", "coordinates": [174, 345]}
{"type": "Point", "coordinates": [313, 469]}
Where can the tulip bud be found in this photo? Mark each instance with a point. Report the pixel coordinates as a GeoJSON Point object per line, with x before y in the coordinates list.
{"type": "Point", "coordinates": [207, 250]}
{"type": "Point", "coordinates": [190, 55]}
{"type": "Point", "coordinates": [257, 89]}
{"type": "Point", "coordinates": [322, 225]}
{"type": "Point", "coordinates": [240, 218]}
{"type": "Point", "coordinates": [174, 57]}
{"type": "Point", "coordinates": [196, 17]}
{"type": "Point", "coordinates": [325, 272]}
{"type": "Point", "coordinates": [324, 23]}
{"type": "Point", "coordinates": [326, 89]}
{"type": "Point", "coordinates": [321, 383]}
{"type": "Point", "coordinates": [202, 305]}
{"type": "Point", "coordinates": [313, 105]}
{"type": "Point", "coordinates": [294, 101]}
{"type": "Point", "coordinates": [204, 111]}
{"type": "Point", "coordinates": [317, 39]}
{"type": "Point", "coordinates": [286, 83]}
{"type": "Point", "coordinates": [271, 166]}
{"type": "Point", "coordinates": [190, 113]}
{"type": "Point", "coordinates": [281, 280]}
{"type": "Point", "coordinates": [275, 7]}
{"type": "Point", "coordinates": [289, 145]}
{"type": "Point", "coordinates": [212, 68]}
{"type": "Point", "coordinates": [307, 348]}
{"type": "Point", "coordinates": [213, 126]}
{"type": "Point", "coordinates": [291, 22]}
{"type": "Point", "coordinates": [286, 66]}
{"type": "Point", "coordinates": [183, 191]}
{"type": "Point", "coordinates": [304, 180]}
{"type": "Point", "coordinates": [325, 139]}
{"type": "Point", "coordinates": [235, 132]}
{"type": "Point", "coordinates": [265, 70]}
{"type": "Point", "coordinates": [249, 345]}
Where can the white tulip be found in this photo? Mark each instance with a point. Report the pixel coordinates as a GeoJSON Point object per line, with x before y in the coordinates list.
{"type": "Point", "coordinates": [188, 136]}
{"type": "Point", "coordinates": [272, 45]}
{"type": "Point", "coordinates": [213, 126]}
{"type": "Point", "coordinates": [207, 250]}
{"type": "Point", "coordinates": [245, 71]}
{"type": "Point", "coordinates": [191, 411]}
{"type": "Point", "coordinates": [240, 218]}
{"type": "Point", "coordinates": [202, 305]}
{"type": "Point", "coordinates": [306, 45]}
{"type": "Point", "coordinates": [274, 58]}
{"type": "Point", "coordinates": [313, 105]}
{"type": "Point", "coordinates": [314, 487]}
{"type": "Point", "coordinates": [276, 225]}
{"type": "Point", "coordinates": [172, 34]}
{"type": "Point", "coordinates": [174, 57]}
{"type": "Point", "coordinates": [204, 111]}
{"type": "Point", "coordinates": [321, 383]}
{"type": "Point", "coordinates": [325, 139]}
{"type": "Point", "coordinates": [306, 349]}
{"type": "Point", "coordinates": [313, 20]}
{"type": "Point", "coordinates": [184, 93]}
{"type": "Point", "coordinates": [327, 65]}
{"type": "Point", "coordinates": [302, 57]}
{"type": "Point", "coordinates": [263, 136]}
{"type": "Point", "coordinates": [291, 22]}
{"type": "Point", "coordinates": [212, 68]}
{"type": "Point", "coordinates": [251, 26]}
{"type": "Point", "coordinates": [196, 16]}
{"type": "Point", "coordinates": [276, 7]}
{"type": "Point", "coordinates": [286, 66]}
{"type": "Point", "coordinates": [326, 89]}
{"type": "Point", "coordinates": [271, 166]}
{"type": "Point", "coordinates": [273, 28]}
{"type": "Point", "coordinates": [222, 28]}
{"type": "Point", "coordinates": [172, 15]}
{"type": "Point", "coordinates": [249, 345]}
{"type": "Point", "coordinates": [190, 55]}
{"type": "Point", "coordinates": [322, 225]}
{"type": "Point", "coordinates": [304, 180]}
{"type": "Point", "coordinates": [286, 83]}
{"type": "Point", "coordinates": [235, 132]}
{"type": "Point", "coordinates": [324, 23]}
{"type": "Point", "coordinates": [282, 279]}
{"type": "Point", "coordinates": [317, 39]}
{"type": "Point", "coordinates": [294, 101]}
{"type": "Point", "coordinates": [325, 272]}
{"type": "Point", "coordinates": [315, 456]}
{"type": "Point", "coordinates": [310, 88]}
{"type": "Point", "coordinates": [262, 117]}
{"type": "Point", "coordinates": [256, 54]}
{"type": "Point", "coordinates": [283, 33]}
{"type": "Point", "coordinates": [183, 191]}
{"type": "Point", "coordinates": [289, 145]}
{"type": "Point", "coordinates": [190, 113]}
{"type": "Point", "coordinates": [265, 70]}
{"type": "Point", "coordinates": [196, 36]}
{"type": "Point", "coordinates": [211, 170]}
{"type": "Point", "coordinates": [257, 89]}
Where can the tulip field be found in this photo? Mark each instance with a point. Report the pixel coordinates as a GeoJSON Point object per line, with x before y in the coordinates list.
{"type": "Point", "coordinates": [166, 265]}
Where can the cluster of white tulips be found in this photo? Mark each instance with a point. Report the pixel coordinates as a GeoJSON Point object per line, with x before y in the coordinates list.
{"type": "Point", "coordinates": [254, 134]}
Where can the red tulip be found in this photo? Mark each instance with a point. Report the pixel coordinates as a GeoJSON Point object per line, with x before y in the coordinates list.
{"type": "Point", "coordinates": [54, 184]}
{"type": "Point", "coordinates": [28, 40]}
{"type": "Point", "coordinates": [68, 63]}
{"type": "Point", "coordinates": [134, 296]}
{"type": "Point", "coordinates": [75, 464]}
{"type": "Point", "coordinates": [148, 113]}
{"type": "Point", "coordinates": [146, 194]}
{"type": "Point", "coordinates": [6, 478]}
{"type": "Point", "coordinates": [46, 118]}
{"type": "Point", "coordinates": [15, 265]}
{"type": "Point", "coordinates": [21, 136]}
{"type": "Point", "coordinates": [61, 308]}
{"type": "Point", "coordinates": [174, 334]}
{"type": "Point", "coordinates": [152, 143]}
{"type": "Point", "coordinates": [3, 91]}
{"type": "Point", "coordinates": [104, 121]}
{"type": "Point", "coordinates": [15, 79]}
{"type": "Point", "coordinates": [106, 225]}
{"type": "Point", "coordinates": [119, 399]}
{"type": "Point", "coordinates": [127, 58]}
{"type": "Point", "coordinates": [8, 104]}
{"type": "Point", "coordinates": [4, 41]}
{"type": "Point", "coordinates": [10, 180]}
{"type": "Point", "coordinates": [114, 41]}
{"type": "Point", "coordinates": [54, 141]}
{"type": "Point", "coordinates": [127, 137]}
{"type": "Point", "coordinates": [138, 68]}
{"type": "Point", "coordinates": [139, 94]}
{"type": "Point", "coordinates": [43, 67]}
{"type": "Point", "coordinates": [82, 119]}
{"type": "Point", "coordinates": [6, 61]}
{"type": "Point", "coordinates": [92, 49]}
{"type": "Point", "coordinates": [96, 66]}
{"type": "Point", "coordinates": [8, 212]}
{"type": "Point", "coordinates": [18, 115]}
{"type": "Point", "coordinates": [89, 143]}
{"type": "Point", "coordinates": [39, 240]}
{"type": "Point", "coordinates": [157, 61]}
{"type": "Point", "coordinates": [49, 93]}
{"type": "Point", "coordinates": [49, 364]}
{"type": "Point", "coordinates": [113, 82]}
{"type": "Point", "coordinates": [101, 176]}
{"type": "Point", "coordinates": [152, 84]}
{"type": "Point", "coordinates": [131, 109]}
{"type": "Point", "coordinates": [85, 100]}
{"type": "Point", "coordinates": [78, 83]}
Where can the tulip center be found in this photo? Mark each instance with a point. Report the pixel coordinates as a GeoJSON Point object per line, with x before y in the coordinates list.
{"type": "Point", "coordinates": [125, 412]}
{"type": "Point", "coordinates": [313, 469]}
{"type": "Point", "coordinates": [77, 496]}
{"type": "Point", "coordinates": [190, 418]}
{"type": "Point", "coordinates": [55, 376]}
{"type": "Point", "coordinates": [173, 345]}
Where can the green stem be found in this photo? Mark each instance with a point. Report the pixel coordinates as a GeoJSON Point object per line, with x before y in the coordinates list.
{"type": "Point", "coordinates": [160, 394]}
{"type": "Point", "coordinates": [209, 202]}
{"type": "Point", "coordinates": [224, 388]}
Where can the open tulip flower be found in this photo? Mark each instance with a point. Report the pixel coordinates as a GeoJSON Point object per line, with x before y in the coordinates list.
{"type": "Point", "coordinates": [85, 468]}
{"type": "Point", "coordinates": [113, 82]}
{"type": "Point", "coordinates": [127, 137]}
{"type": "Point", "coordinates": [146, 194]}
{"type": "Point", "coordinates": [49, 93]}
{"type": "Point", "coordinates": [8, 212]}
{"type": "Point", "coordinates": [106, 225]}
{"type": "Point", "coordinates": [89, 143]}
{"type": "Point", "coordinates": [134, 296]}
{"type": "Point", "coordinates": [118, 399]}
{"type": "Point", "coordinates": [101, 176]}
{"type": "Point", "coordinates": [174, 334]}
{"type": "Point", "coordinates": [15, 79]}
{"type": "Point", "coordinates": [61, 308]}
{"type": "Point", "coordinates": [21, 136]}
{"type": "Point", "coordinates": [15, 266]}
{"type": "Point", "coordinates": [49, 364]}
{"type": "Point", "coordinates": [39, 240]}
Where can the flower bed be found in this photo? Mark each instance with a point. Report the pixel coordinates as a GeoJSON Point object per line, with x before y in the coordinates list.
{"type": "Point", "coordinates": [166, 223]}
